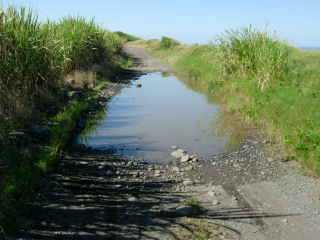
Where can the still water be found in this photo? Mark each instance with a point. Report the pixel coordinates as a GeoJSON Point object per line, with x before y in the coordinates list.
{"type": "Point", "coordinates": [146, 122]}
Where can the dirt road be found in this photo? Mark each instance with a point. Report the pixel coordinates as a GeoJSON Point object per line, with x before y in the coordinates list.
{"type": "Point", "coordinates": [239, 195]}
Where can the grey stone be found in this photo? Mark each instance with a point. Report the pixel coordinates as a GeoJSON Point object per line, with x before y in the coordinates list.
{"type": "Point", "coordinates": [215, 202]}
{"type": "Point", "coordinates": [185, 158]}
{"type": "Point", "coordinates": [184, 211]}
{"type": "Point", "coordinates": [179, 153]}
{"type": "Point", "coordinates": [132, 199]}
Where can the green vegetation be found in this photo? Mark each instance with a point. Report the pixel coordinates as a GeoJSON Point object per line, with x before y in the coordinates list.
{"type": "Point", "coordinates": [127, 37]}
{"type": "Point", "coordinates": [39, 63]}
{"type": "Point", "coordinates": [167, 43]}
{"type": "Point", "coordinates": [270, 83]}
{"type": "Point", "coordinates": [35, 57]}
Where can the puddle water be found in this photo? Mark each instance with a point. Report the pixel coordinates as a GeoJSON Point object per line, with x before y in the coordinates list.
{"type": "Point", "coordinates": [145, 122]}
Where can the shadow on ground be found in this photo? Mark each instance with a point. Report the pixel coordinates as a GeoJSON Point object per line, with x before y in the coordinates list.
{"type": "Point", "coordinates": [94, 195]}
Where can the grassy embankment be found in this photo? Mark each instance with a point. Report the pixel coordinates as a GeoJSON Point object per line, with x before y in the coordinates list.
{"type": "Point", "coordinates": [270, 83]}
{"type": "Point", "coordinates": [41, 64]}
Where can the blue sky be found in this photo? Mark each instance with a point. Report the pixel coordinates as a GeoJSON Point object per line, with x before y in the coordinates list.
{"type": "Point", "coordinates": [192, 21]}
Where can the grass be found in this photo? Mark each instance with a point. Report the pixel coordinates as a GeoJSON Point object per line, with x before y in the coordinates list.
{"type": "Point", "coordinates": [268, 82]}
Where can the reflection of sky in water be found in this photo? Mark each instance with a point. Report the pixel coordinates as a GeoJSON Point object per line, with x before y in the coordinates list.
{"type": "Point", "coordinates": [147, 121]}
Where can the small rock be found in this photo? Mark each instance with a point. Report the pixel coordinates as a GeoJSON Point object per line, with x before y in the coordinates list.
{"type": "Point", "coordinates": [215, 202]}
{"type": "Point", "coordinates": [157, 173]}
{"type": "Point", "coordinates": [132, 199]}
{"type": "Point", "coordinates": [185, 158]}
{"type": "Point", "coordinates": [211, 193]}
{"type": "Point", "coordinates": [139, 85]}
{"type": "Point", "coordinates": [179, 153]}
{"type": "Point", "coordinates": [285, 220]}
{"type": "Point", "coordinates": [184, 211]}
{"type": "Point", "coordinates": [188, 168]}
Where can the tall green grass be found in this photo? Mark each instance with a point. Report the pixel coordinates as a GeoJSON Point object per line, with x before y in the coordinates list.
{"type": "Point", "coordinates": [269, 82]}
{"type": "Point", "coordinates": [252, 54]}
{"type": "Point", "coordinates": [35, 56]}
{"type": "Point", "coordinates": [28, 66]}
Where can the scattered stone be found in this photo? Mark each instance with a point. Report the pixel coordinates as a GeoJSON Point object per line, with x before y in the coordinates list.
{"type": "Point", "coordinates": [285, 220]}
{"type": "Point", "coordinates": [139, 85]}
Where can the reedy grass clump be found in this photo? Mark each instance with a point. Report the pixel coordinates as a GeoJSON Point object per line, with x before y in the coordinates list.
{"type": "Point", "coordinates": [253, 54]}
{"type": "Point", "coordinates": [28, 67]}
{"type": "Point", "coordinates": [34, 57]}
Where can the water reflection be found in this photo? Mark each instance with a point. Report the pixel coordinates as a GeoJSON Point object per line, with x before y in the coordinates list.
{"type": "Point", "coordinates": [145, 122]}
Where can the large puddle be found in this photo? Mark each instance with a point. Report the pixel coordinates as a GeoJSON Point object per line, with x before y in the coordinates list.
{"type": "Point", "coordinates": [146, 122]}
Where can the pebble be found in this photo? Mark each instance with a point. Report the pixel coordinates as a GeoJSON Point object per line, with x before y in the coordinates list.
{"type": "Point", "coordinates": [185, 158]}
{"type": "Point", "coordinates": [211, 193]}
{"type": "Point", "coordinates": [132, 199]}
{"type": "Point", "coordinates": [215, 202]}
{"type": "Point", "coordinates": [189, 168]}
{"type": "Point", "coordinates": [179, 153]}
{"type": "Point", "coordinates": [183, 211]}
{"type": "Point", "coordinates": [157, 173]}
